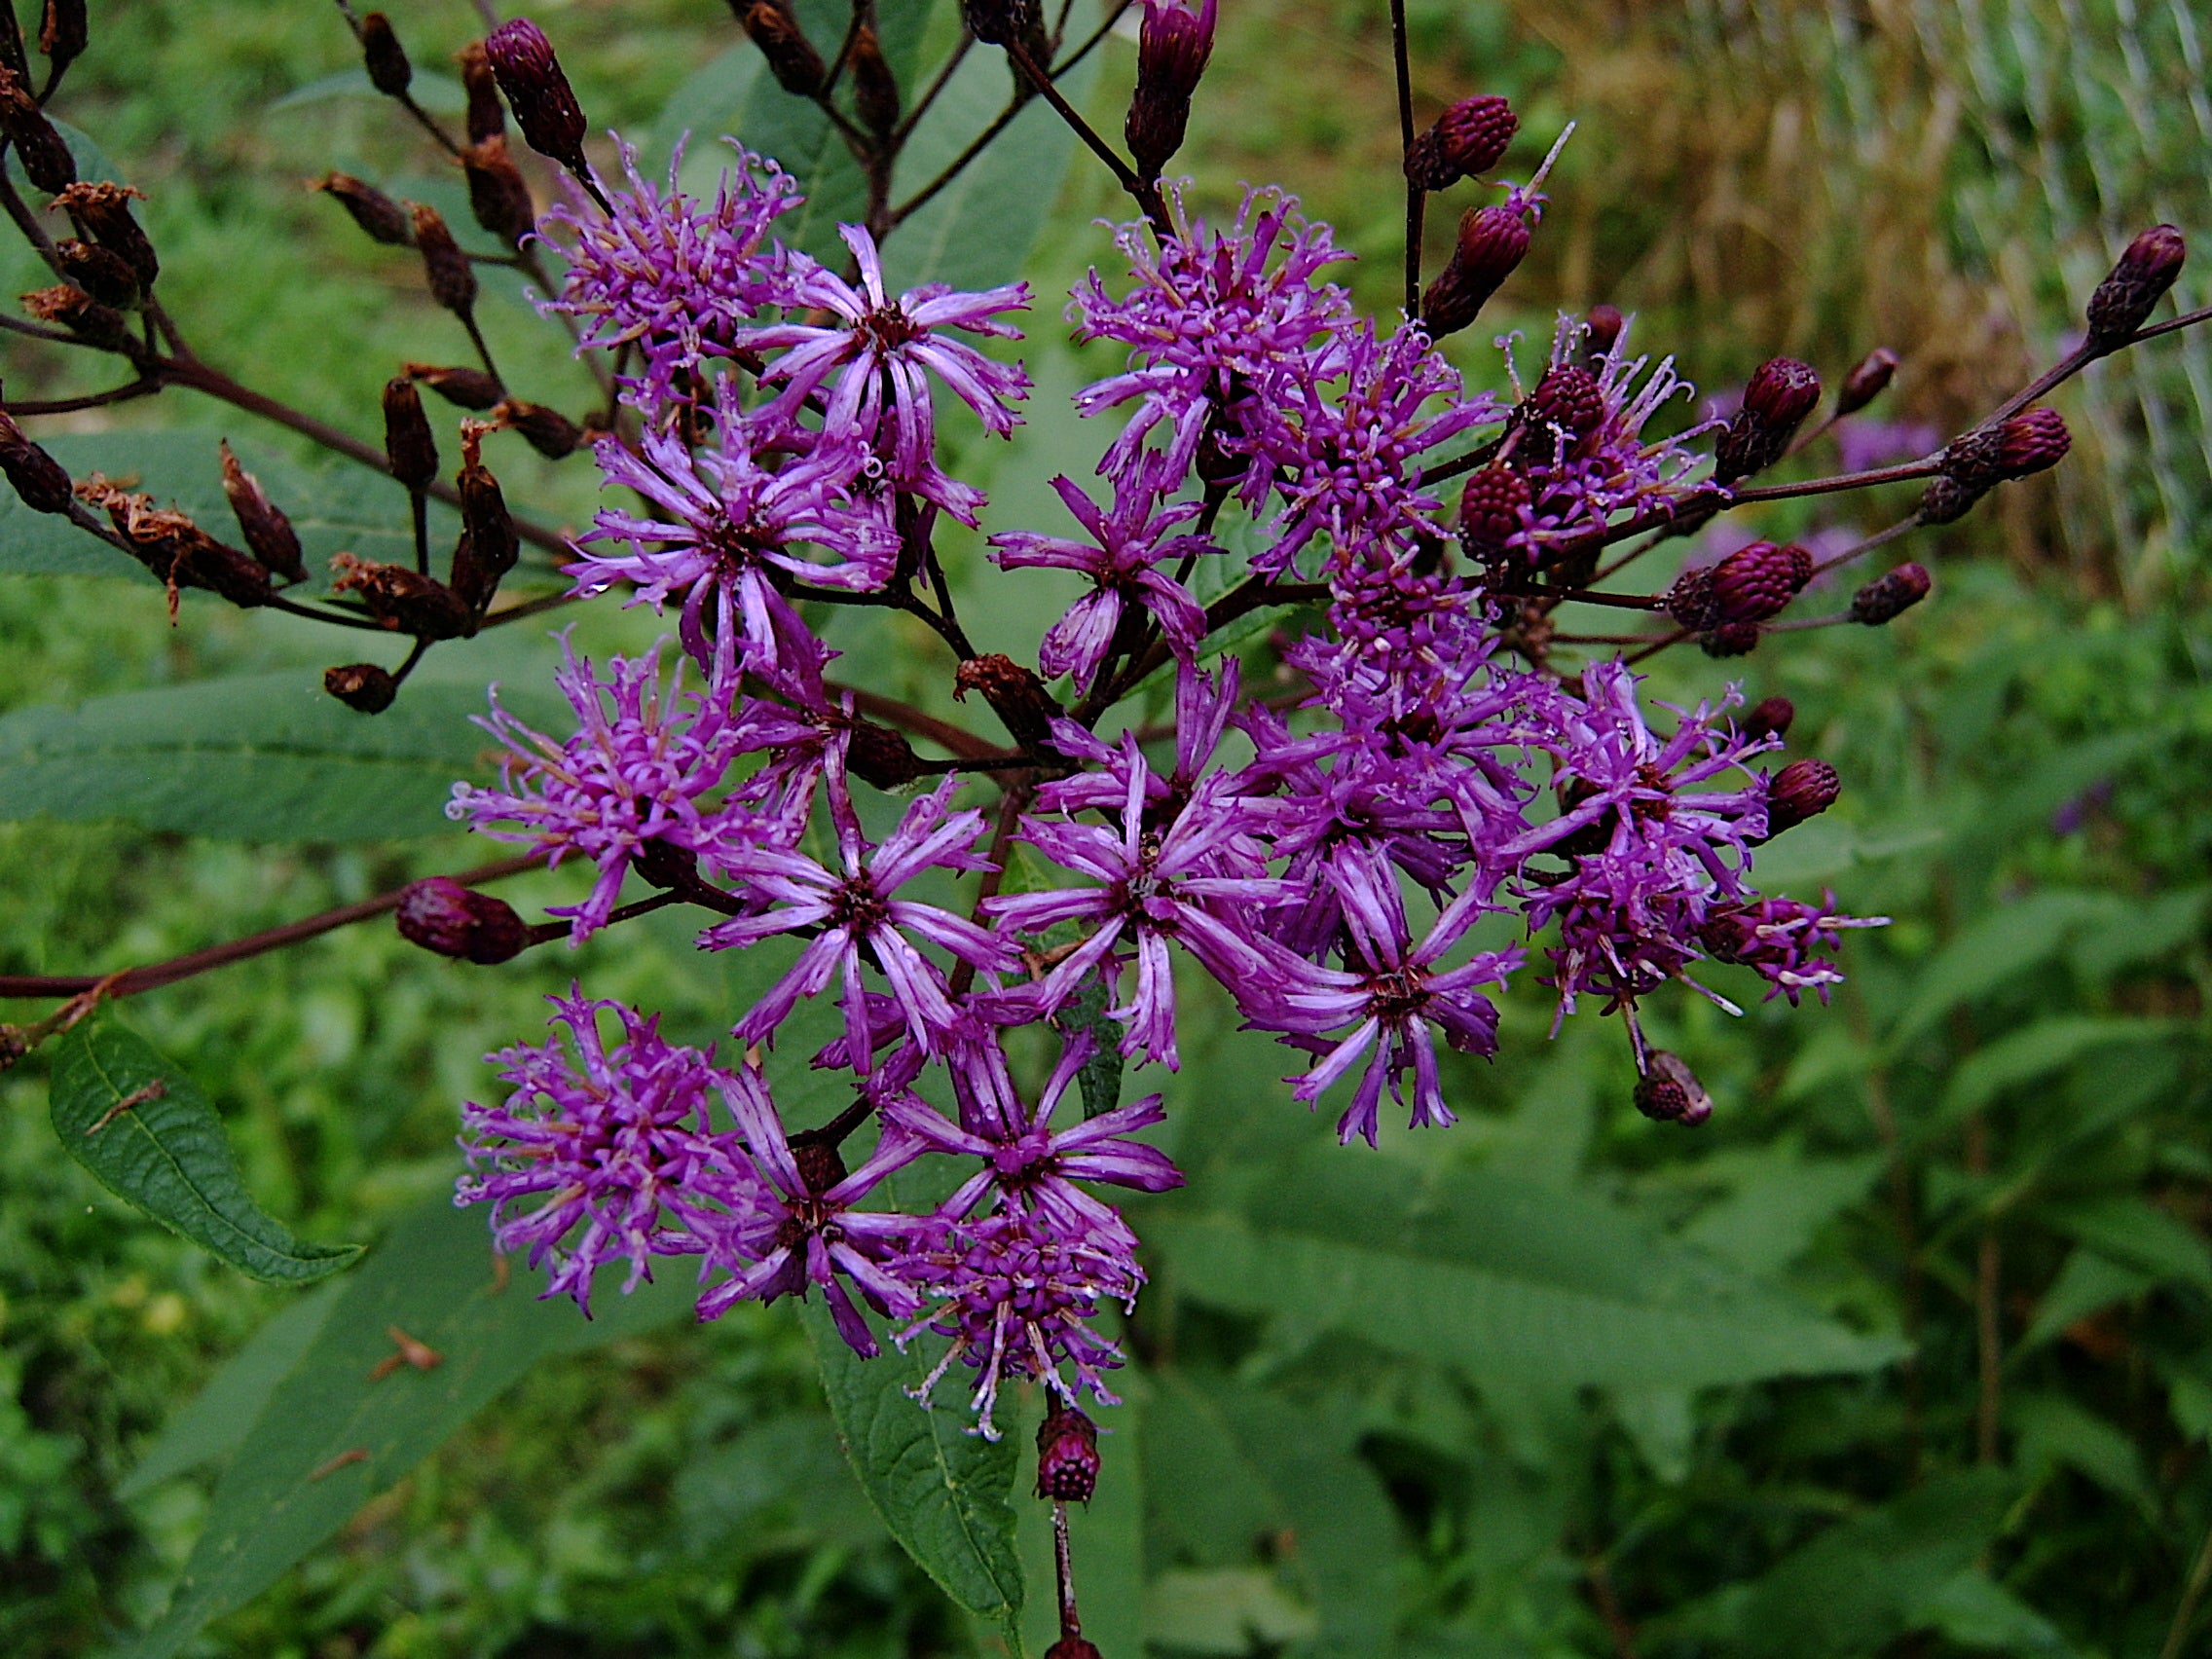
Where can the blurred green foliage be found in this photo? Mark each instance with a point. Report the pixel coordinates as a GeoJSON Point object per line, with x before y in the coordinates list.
{"type": "Point", "coordinates": [1992, 1151]}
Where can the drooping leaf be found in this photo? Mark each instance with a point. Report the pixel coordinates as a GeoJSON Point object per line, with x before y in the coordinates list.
{"type": "Point", "coordinates": [334, 508]}
{"type": "Point", "coordinates": [1873, 1577]}
{"type": "Point", "coordinates": [1772, 1216]}
{"type": "Point", "coordinates": [215, 1422]}
{"type": "Point", "coordinates": [942, 1491]}
{"type": "Point", "coordinates": [2135, 1233]}
{"type": "Point", "coordinates": [1230, 1471]}
{"type": "Point", "coordinates": [2036, 1050]}
{"type": "Point", "coordinates": [1507, 1279]}
{"type": "Point", "coordinates": [2089, 1282]}
{"type": "Point", "coordinates": [262, 758]}
{"type": "Point", "coordinates": [342, 1425]}
{"type": "Point", "coordinates": [143, 1129]}
{"type": "Point", "coordinates": [1973, 1611]}
{"type": "Point", "coordinates": [2054, 1432]}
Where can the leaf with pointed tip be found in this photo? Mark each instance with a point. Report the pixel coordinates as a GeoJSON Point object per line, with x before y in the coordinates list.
{"type": "Point", "coordinates": [943, 1491]}
{"type": "Point", "coordinates": [150, 1137]}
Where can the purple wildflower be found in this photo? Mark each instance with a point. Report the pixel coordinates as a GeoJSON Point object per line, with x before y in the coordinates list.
{"type": "Point", "coordinates": [856, 917]}
{"type": "Point", "coordinates": [877, 346]}
{"type": "Point", "coordinates": [1782, 940]}
{"type": "Point", "coordinates": [1014, 1291]}
{"type": "Point", "coordinates": [671, 274]}
{"type": "Point", "coordinates": [642, 756]}
{"type": "Point", "coordinates": [737, 530]}
{"type": "Point", "coordinates": [800, 1227]}
{"type": "Point", "coordinates": [1128, 545]}
{"type": "Point", "coordinates": [614, 1143]}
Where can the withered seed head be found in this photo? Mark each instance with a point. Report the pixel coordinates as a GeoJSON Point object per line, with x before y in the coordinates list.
{"type": "Point", "coordinates": [64, 33]}
{"type": "Point", "coordinates": [72, 308]}
{"type": "Point", "coordinates": [377, 213]}
{"type": "Point", "coordinates": [41, 482]}
{"type": "Point", "coordinates": [875, 90]}
{"type": "Point", "coordinates": [409, 446]}
{"type": "Point", "coordinates": [404, 600]}
{"type": "Point", "coordinates": [269, 535]}
{"type": "Point", "coordinates": [101, 213]}
{"type": "Point", "coordinates": [466, 388]}
{"type": "Point", "coordinates": [451, 278]}
{"type": "Point", "coordinates": [362, 686]}
{"type": "Point", "coordinates": [774, 29]}
{"type": "Point", "coordinates": [1669, 1091]}
{"type": "Point", "coordinates": [548, 432]}
{"type": "Point", "coordinates": [1016, 695]}
{"type": "Point", "coordinates": [43, 151]}
{"type": "Point", "coordinates": [497, 194]}
{"type": "Point", "coordinates": [383, 56]}
{"type": "Point", "coordinates": [107, 276]}
{"type": "Point", "coordinates": [1867, 381]}
{"type": "Point", "coordinates": [486, 116]}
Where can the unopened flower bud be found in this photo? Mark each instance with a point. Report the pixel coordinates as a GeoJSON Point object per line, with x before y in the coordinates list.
{"type": "Point", "coordinates": [81, 314]}
{"type": "Point", "coordinates": [64, 33]}
{"type": "Point", "coordinates": [1759, 581]}
{"type": "Point", "coordinates": [41, 482]}
{"type": "Point", "coordinates": [1801, 789]}
{"type": "Point", "coordinates": [361, 686]}
{"type": "Point", "coordinates": [1173, 46]}
{"type": "Point", "coordinates": [1492, 508]}
{"type": "Point", "coordinates": [2032, 443]}
{"type": "Point", "coordinates": [545, 105]}
{"type": "Point", "coordinates": [106, 276]}
{"type": "Point", "coordinates": [1770, 717]}
{"type": "Point", "coordinates": [1867, 381]}
{"type": "Point", "coordinates": [43, 151]}
{"type": "Point", "coordinates": [1016, 695]}
{"type": "Point", "coordinates": [1730, 639]}
{"type": "Point", "coordinates": [1889, 595]}
{"type": "Point", "coordinates": [1468, 139]}
{"type": "Point", "coordinates": [1492, 242]}
{"type": "Point", "coordinates": [385, 58]}
{"type": "Point", "coordinates": [1072, 1647]}
{"type": "Point", "coordinates": [451, 278]}
{"type": "Point", "coordinates": [384, 219]}
{"type": "Point", "coordinates": [486, 116]}
{"type": "Point", "coordinates": [269, 535]}
{"type": "Point", "coordinates": [499, 197]}
{"type": "Point", "coordinates": [1600, 330]}
{"type": "Point", "coordinates": [1568, 398]}
{"type": "Point", "coordinates": [548, 432]}
{"type": "Point", "coordinates": [1669, 1091]}
{"type": "Point", "coordinates": [462, 386]}
{"type": "Point", "coordinates": [995, 22]}
{"type": "Point", "coordinates": [2142, 274]}
{"type": "Point", "coordinates": [875, 90]}
{"type": "Point", "coordinates": [404, 599]}
{"type": "Point", "coordinates": [1947, 500]}
{"type": "Point", "coordinates": [1689, 600]}
{"type": "Point", "coordinates": [876, 754]}
{"type": "Point", "coordinates": [101, 213]}
{"type": "Point", "coordinates": [409, 448]}
{"type": "Point", "coordinates": [774, 29]}
{"type": "Point", "coordinates": [440, 915]}
{"type": "Point", "coordinates": [1781, 394]}
{"type": "Point", "coordinates": [1067, 1456]}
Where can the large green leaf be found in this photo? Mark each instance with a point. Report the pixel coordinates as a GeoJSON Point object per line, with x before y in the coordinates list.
{"type": "Point", "coordinates": [1861, 1584]}
{"type": "Point", "coordinates": [340, 1427]}
{"type": "Point", "coordinates": [1240, 1480]}
{"type": "Point", "coordinates": [977, 231]}
{"type": "Point", "coordinates": [2036, 1050]}
{"type": "Point", "coordinates": [334, 508]}
{"type": "Point", "coordinates": [262, 758]}
{"type": "Point", "coordinates": [942, 1490]}
{"type": "Point", "coordinates": [1510, 1281]}
{"type": "Point", "coordinates": [150, 1137]}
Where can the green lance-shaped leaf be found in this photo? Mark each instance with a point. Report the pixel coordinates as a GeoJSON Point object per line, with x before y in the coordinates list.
{"type": "Point", "coordinates": [346, 1419]}
{"type": "Point", "coordinates": [1512, 1282]}
{"type": "Point", "coordinates": [942, 1491]}
{"type": "Point", "coordinates": [144, 1130]}
{"type": "Point", "coordinates": [260, 757]}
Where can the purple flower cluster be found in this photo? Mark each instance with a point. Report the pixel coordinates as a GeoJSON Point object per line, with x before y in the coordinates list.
{"type": "Point", "coordinates": [1361, 863]}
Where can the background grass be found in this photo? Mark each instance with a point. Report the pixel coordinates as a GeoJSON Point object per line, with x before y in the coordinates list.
{"type": "Point", "coordinates": [1748, 178]}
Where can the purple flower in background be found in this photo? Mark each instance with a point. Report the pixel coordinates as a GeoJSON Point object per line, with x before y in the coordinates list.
{"type": "Point", "coordinates": [877, 349]}
{"type": "Point", "coordinates": [643, 755]}
{"type": "Point", "coordinates": [596, 1158]}
{"type": "Point", "coordinates": [797, 1226]}
{"type": "Point", "coordinates": [853, 916]}
{"type": "Point", "coordinates": [1012, 1291]}
{"type": "Point", "coordinates": [735, 529]}
{"type": "Point", "coordinates": [1128, 545]}
{"type": "Point", "coordinates": [670, 274]}
{"type": "Point", "coordinates": [1213, 318]}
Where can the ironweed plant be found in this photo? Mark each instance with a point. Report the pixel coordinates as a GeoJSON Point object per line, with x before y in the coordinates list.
{"type": "Point", "coordinates": [1403, 760]}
